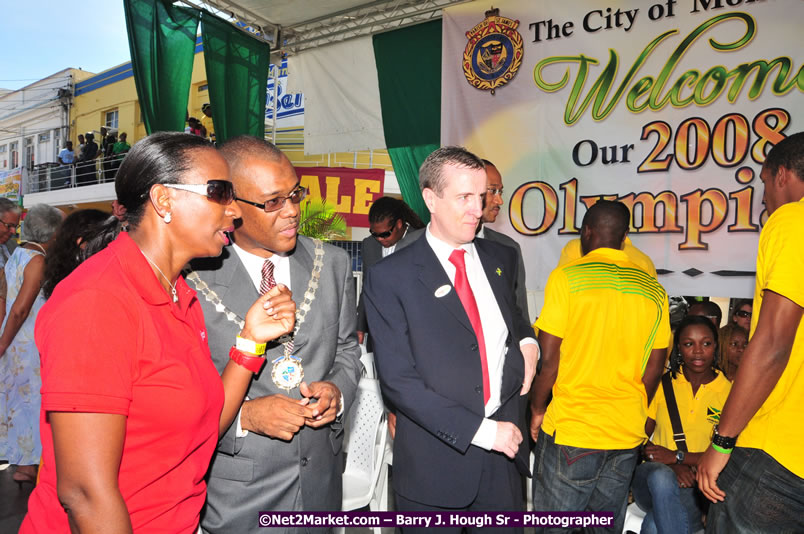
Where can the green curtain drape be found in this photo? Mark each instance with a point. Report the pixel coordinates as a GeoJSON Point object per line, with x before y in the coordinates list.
{"type": "Point", "coordinates": [409, 77]}
{"type": "Point", "coordinates": [161, 38]}
{"type": "Point", "coordinates": [406, 161]}
{"type": "Point", "coordinates": [237, 74]}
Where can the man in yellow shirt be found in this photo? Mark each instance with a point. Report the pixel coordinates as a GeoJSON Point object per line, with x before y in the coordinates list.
{"type": "Point", "coordinates": [758, 486]}
{"type": "Point", "coordinates": [206, 122]}
{"type": "Point", "coordinates": [572, 251]}
{"type": "Point", "coordinates": [604, 331]}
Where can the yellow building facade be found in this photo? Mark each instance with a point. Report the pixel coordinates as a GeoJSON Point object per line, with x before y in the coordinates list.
{"type": "Point", "coordinates": [110, 99]}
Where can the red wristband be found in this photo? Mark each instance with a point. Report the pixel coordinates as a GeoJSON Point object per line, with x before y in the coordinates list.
{"type": "Point", "coordinates": [249, 361]}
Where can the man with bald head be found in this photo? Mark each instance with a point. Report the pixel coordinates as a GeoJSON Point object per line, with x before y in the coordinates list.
{"type": "Point", "coordinates": [284, 450]}
{"type": "Point", "coordinates": [492, 203]}
{"type": "Point", "coordinates": [604, 330]}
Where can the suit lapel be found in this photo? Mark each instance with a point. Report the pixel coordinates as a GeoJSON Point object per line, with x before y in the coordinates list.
{"type": "Point", "coordinates": [301, 267]}
{"type": "Point", "coordinates": [238, 293]}
{"type": "Point", "coordinates": [433, 277]}
{"type": "Point", "coordinates": [497, 281]}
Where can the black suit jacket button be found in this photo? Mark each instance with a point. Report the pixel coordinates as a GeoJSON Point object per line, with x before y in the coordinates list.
{"type": "Point", "coordinates": [304, 461]}
{"type": "Point", "coordinates": [478, 389]}
{"type": "Point", "coordinates": [473, 346]}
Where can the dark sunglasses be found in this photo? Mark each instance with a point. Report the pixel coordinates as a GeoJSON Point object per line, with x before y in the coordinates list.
{"type": "Point", "coordinates": [381, 235]}
{"type": "Point", "coordinates": [274, 204]}
{"type": "Point", "coordinates": [220, 191]}
{"type": "Point", "coordinates": [386, 234]}
{"type": "Point", "coordinates": [742, 313]}
{"type": "Point", "coordinates": [10, 226]}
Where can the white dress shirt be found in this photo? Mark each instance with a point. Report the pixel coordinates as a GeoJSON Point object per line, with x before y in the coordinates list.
{"type": "Point", "coordinates": [253, 265]}
{"type": "Point", "coordinates": [495, 332]}
{"type": "Point", "coordinates": [387, 251]}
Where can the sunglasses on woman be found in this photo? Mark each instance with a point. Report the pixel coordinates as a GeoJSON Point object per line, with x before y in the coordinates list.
{"type": "Point", "coordinates": [219, 191]}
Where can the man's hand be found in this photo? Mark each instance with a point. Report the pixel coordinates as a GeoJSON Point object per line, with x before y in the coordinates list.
{"type": "Point", "coordinates": [275, 416]}
{"type": "Point", "coordinates": [360, 337]}
{"type": "Point", "coordinates": [507, 439]}
{"type": "Point", "coordinates": [709, 468]}
{"type": "Point", "coordinates": [536, 420]}
{"type": "Point", "coordinates": [684, 474]}
{"type": "Point", "coordinates": [659, 454]}
{"type": "Point", "coordinates": [392, 424]}
{"type": "Point", "coordinates": [530, 353]}
{"type": "Point", "coordinates": [326, 405]}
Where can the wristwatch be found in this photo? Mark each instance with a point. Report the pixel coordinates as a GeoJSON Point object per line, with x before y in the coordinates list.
{"type": "Point", "coordinates": [723, 442]}
{"type": "Point", "coordinates": [680, 457]}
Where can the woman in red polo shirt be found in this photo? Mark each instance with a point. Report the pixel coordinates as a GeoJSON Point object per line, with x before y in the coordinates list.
{"type": "Point", "coordinates": [132, 405]}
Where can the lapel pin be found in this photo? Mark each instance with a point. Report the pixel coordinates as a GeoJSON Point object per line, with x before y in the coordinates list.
{"type": "Point", "coordinates": [443, 290]}
{"type": "Point", "coordinates": [499, 271]}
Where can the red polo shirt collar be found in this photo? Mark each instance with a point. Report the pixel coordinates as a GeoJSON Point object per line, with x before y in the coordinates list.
{"type": "Point", "coordinates": [145, 280]}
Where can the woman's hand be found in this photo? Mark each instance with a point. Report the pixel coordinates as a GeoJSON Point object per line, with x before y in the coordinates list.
{"type": "Point", "coordinates": [685, 476]}
{"type": "Point", "coordinates": [271, 316]}
{"type": "Point", "coordinates": [657, 453]}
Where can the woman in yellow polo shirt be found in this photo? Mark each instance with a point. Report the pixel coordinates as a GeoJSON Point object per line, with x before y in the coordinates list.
{"type": "Point", "coordinates": [664, 486]}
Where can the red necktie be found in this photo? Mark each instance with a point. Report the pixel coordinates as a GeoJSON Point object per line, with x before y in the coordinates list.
{"type": "Point", "coordinates": [267, 283]}
{"type": "Point", "coordinates": [464, 291]}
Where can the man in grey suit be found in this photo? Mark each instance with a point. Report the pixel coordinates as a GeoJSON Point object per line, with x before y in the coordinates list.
{"type": "Point", "coordinates": [283, 452]}
{"type": "Point", "coordinates": [491, 208]}
{"type": "Point", "coordinates": [393, 226]}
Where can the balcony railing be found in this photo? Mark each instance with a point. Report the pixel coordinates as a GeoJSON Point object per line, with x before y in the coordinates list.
{"type": "Point", "coordinates": [52, 176]}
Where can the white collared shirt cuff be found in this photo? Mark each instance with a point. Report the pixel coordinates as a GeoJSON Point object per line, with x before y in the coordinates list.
{"type": "Point", "coordinates": [239, 432]}
{"type": "Point", "coordinates": [340, 409]}
{"type": "Point", "coordinates": [486, 434]}
{"type": "Point", "coordinates": [528, 341]}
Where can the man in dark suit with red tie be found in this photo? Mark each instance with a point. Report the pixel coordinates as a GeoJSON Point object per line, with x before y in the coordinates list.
{"type": "Point", "coordinates": [454, 354]}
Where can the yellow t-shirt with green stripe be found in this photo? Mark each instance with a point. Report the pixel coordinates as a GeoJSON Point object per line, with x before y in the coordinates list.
{"type": "Point", "coordinates": [610, 314]}
{"type": "Point", "coordinates": [777, 428]}
{"type": "Point", "coordinates": [699, 413]}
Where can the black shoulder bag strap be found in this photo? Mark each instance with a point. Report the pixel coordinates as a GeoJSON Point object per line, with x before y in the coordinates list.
{"type": "Point", "coordinates": [672, 410]}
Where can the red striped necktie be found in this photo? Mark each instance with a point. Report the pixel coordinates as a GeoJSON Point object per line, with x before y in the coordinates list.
{"type": "Point", "coordinates": [267, 283]}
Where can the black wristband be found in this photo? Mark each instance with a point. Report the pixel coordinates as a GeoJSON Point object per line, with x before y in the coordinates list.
{"type": "Point", "coordinates": [723, 441]}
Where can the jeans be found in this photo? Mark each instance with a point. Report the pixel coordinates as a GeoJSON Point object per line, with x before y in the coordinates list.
{"type": "Point", "coordinates": [761, 496]}
{"type": "Point", "coordinates": [573, 479]}
{"type": "Point", "coordinates": [669, 508]}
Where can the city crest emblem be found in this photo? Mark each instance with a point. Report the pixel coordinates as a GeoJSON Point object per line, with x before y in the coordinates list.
{"type": "Point", "coordinates": [494, 52]}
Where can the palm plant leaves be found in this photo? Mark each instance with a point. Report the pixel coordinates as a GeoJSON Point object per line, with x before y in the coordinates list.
{"type": "Point", "coordinates": [320, 221]}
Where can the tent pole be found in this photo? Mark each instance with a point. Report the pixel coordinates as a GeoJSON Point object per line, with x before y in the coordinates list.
{"type": "Point", "coordinates": [277, 66]}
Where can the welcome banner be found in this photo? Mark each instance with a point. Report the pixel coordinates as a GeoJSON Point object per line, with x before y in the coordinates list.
{"type": "Point", "coordinates": [669, 107]}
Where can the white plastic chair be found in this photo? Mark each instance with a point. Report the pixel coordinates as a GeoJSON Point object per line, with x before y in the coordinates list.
{"type": "Point", "coordinates": [365, 478]}
{"type": "Point", "coordinates": [633, 518]}
{"type": "Point", "coordinates": [367, 359]}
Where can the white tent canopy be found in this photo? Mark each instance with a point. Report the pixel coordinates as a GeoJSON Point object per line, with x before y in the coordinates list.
{"type": "Point", "coordinates": [303, 24]}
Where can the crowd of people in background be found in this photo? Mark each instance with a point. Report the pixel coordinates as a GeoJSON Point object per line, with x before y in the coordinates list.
{"type": "Point", "coordinates": [150, 360]}
{"type": "Point", "coordinates": [203, 127]}
{"type": "Point", "coordinates": [91, 164]}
